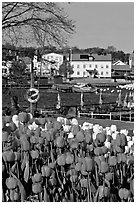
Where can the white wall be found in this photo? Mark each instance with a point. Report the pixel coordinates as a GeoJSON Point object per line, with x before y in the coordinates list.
{"type": "Point", "coordinates": [103, 68]}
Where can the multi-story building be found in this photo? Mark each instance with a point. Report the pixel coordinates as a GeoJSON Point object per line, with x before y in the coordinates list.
{"type": "Point", "coordinates": [6, 67]}
{"type": "Point", "coordinates": [51, 63]}
{"type": "Point", "coordinates": [84, 65]}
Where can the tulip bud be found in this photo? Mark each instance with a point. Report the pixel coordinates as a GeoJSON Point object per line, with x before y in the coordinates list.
{"type": "Point", "coordinates": [36, 188]}
{"type": "Point", "coordinates": [61, 160]}
{"type": "Point", "coordinates": [37, 178]}
{"type": "Point", "coordinates": [46, 171]}
{"type": "Point", "coordinates": [34, 154]}
{"type": "Point", "coordinates": [80, 136]}
{"type": "Point", "coordinates": [11, 183]}
{"type": "Point", "coordinates": [112, 160]}
{"type": "Point", "coordinates": [104, 167]}
{"type": "Point", "coordinates": [60, 142]}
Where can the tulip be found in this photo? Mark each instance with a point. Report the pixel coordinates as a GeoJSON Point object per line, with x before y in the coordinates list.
{"type": "Point", "coordinates": [98, 151]}
{"type": "Point", "coordinates": [75, 129]}
{"type": "Point", "coordinates": [80, 136]}
{"type": "Point", "coordinates": [123, 193]}
{"type": "Point", "coordinates": [104, 167]}
{"type": "Point", "coordinates": [107, 144]}
{"type": "Point", "coordinates": [61, 160]}
{"type": "Point", "coordinates": [57, 125]}
{"type": "Point", "coordinates": [74, 121]}
{"type": "Point", "coordinates": [89, 164]}
{"type": "Point", "coordinates": [112, 160]}
{"type": "Point", "coordinates": [109, 176]}
{"type": "Point", "coordinates": [69, 158]}
{"type": "Point", "coordinates": [23, 117]}
{"type": "Point", "coordinates": [103, 191]}
{"type": "Point", "coordinates": [36, 188]}
{"type": "Point", "coordinates": [78, 166]}
{"type": "Point", "coordinates": [46, 171]}
{"type": "Point", "coordinates": [113, 128]}
{"type": "Point", "coordinates": [37, 178]}
{"type": "Point", "coordinates": [11, 183]}
{"type": "Point", "coordinates": [34, 154]}
{"type": "Point", "coordinates": [60, 142]}
{"type": "Point", "coordinates": [5, 136]}
{"type": "Point", "coordinates": [70, 135]}
{"type": "Point", "coordinates": [121, 140]}
{"type": "Point", "coordinates": [84, 183]}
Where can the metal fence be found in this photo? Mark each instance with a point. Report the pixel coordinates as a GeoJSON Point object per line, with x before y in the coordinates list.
{"type": "Point", "coordinates": [122, 116]}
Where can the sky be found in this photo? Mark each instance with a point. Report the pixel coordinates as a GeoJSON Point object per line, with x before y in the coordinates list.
{"type": "Point", "coordinates": [102, 24]}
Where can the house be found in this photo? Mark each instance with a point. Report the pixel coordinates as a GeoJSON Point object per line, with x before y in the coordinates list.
{"type": "Point", "coordinates": [51, 63]}
{"type": "Point", "coordinates": [119, 62]}
{"type": "Point", "coordinates": [84, 65]}
{"type": "Point", "coordinates": [121, 70]}
{"type": "Point", "coordinates": [6, 68]}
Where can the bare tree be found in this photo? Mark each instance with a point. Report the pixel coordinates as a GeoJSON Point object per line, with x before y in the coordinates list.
{"type": "Point", "coordinates": [39, 22]}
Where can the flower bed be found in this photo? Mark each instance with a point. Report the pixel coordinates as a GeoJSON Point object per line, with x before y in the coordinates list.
{"type": "Point", "coordinates": [51, 160]}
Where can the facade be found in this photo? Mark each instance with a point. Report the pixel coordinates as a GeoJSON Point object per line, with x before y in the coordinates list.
{"type": "Point", "coordinates": [131, 61]}
{"type": "Point", "coordinates": [85, 64]}
{"type": "Point", "coordinates": [6, 68]}
{"type": "Point", "coordinates": [121, 70]}
{"type": "Point", "coordinates": [51, 63]}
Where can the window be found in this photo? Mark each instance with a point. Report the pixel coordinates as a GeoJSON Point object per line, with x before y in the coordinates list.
{"type": "Point", "coordinates": [90, 65]}
{"type": "Point", "coordinates": [107, 66]}
{"type": "Point", "coordinates": [78, 73]}
{"type": "Point", "coordinates": [101, 66]}
{"type": "Point", "coordinates": [78, 66]}
{"type": "Point", "coordinates": [107, 73]}
{"type": "Point", "coordinates": [84, 73]}
{"type": "Point", "coordinates": [84, 66]}
{"type": "Point", "coordinates": [96, 66]}
{"type": "Point", "coordinates": [72, 66]}
{"type": "Point", "coordinates": [101, 73]}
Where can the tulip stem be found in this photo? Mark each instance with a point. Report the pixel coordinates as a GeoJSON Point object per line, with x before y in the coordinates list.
{"type": "Point", "coordinates": [97, 179]}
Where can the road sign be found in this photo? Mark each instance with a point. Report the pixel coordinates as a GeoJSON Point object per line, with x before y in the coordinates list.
{"type": "Point", "coordinates": [33, 95]}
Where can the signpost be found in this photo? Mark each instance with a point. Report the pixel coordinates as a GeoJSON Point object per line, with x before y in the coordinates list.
{"type": "Point", "coordinates": [32, 94]}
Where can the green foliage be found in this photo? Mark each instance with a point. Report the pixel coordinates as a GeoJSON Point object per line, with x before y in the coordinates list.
{"type": "Point", "coordinates": [66, 69]}
{"type": "Point", "coordinates": [18, 68]}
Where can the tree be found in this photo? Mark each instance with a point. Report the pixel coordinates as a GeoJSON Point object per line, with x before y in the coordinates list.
{"type": "Point", "coordinates": [111, 49]}
{"type": "Point", "coordinates": [39, 22]}
{"type": "Point", "coordinates": [18, 68]}
{"type": "Point", "coordinates": [17, 73]}
{"type": "Point", "coordinates": [66, 69]}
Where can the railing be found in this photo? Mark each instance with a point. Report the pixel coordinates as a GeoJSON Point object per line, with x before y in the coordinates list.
{"type": "Point", "coordinates": [111, 115]}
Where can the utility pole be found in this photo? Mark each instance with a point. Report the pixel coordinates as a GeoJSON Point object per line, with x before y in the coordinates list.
{"type": "Point", "coordinates": [31, 84]}
{"type": "Point", "coordinates": [32, 77]}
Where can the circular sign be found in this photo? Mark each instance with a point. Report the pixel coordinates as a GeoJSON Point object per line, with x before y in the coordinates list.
{"type": "Point", "coordinates": [32, 95]}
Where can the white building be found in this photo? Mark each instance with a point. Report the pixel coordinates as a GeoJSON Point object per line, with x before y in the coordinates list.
{"type": "Point", "coordinates": [119, 62]}
{"type": "Point", "coordinates": [85, 64]}
{"type": "Point", "coordinates": [6, 67]}
{"type": "Point", "coordinates": [131, 60]}
{"type": "Point", "coordinates": [51, 62]}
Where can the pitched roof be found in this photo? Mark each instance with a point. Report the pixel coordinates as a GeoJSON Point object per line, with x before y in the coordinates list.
{"type": "Point", "coordinates": [119, 62]}
{"type": "Point", "coordinates": [121, 67]}
{"type": "Point", "coordinates": [87, 56]}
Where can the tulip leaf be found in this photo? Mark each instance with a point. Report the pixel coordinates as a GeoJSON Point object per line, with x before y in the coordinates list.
{"type": "Point", "coordinates": [21, 188]}
{"type": "Point", "coordinates": [26, 172]}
